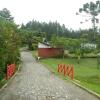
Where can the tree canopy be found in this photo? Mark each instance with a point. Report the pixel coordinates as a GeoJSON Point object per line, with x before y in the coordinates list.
{"type": "Point", "coordinates": [9, 43]}
{"type": "Point", "coordinates": [92, 10]}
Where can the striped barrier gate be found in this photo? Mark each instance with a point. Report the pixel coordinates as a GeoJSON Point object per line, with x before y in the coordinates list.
{"type": "Point", "coordinates": [66, 70]}
{"type": "Point", "coordinates": [10, 70]}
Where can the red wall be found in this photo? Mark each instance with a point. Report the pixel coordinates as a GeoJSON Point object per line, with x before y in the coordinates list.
{"type": "Point", "coordinates": [49, 52]}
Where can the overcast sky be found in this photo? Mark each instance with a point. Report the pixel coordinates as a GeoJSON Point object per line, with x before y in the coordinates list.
{"type": "Point", "coordinates": [47, 10]}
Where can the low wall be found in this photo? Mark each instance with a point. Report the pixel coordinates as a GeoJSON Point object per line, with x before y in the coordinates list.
{"type": "Point", "coordinates": [50, 52]}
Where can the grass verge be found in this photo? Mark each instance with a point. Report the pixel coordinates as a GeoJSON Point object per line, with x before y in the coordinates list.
{"type": "Point", "coordinates": [86, 72]}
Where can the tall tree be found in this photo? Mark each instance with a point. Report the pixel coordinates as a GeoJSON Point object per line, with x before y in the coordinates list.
{"type": "Point", "coordinates": [5, 13]}
{"type": "Point", "coordinates": [92, 9]}
{"type": "Point", "coordinates": [9, 43]}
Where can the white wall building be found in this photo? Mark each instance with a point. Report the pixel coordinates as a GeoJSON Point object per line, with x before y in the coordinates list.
{"type": "Point", "coordinates": [89, 45]}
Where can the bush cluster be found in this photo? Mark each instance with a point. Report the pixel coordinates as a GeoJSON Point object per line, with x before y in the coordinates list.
{"type": "Point", "coordinates": [9, 45]}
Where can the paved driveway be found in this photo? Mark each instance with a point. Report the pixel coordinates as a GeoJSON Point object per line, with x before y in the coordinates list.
{"type": "Point", "coordinates": [35, 82]}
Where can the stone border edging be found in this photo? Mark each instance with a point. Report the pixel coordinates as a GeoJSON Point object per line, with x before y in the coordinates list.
{"type": "Point", "coordinates": [5, 85]}
{"type": "Point", "coordinates": [74, 81]}
{"type": "Point", "coordinates": [86, 89]}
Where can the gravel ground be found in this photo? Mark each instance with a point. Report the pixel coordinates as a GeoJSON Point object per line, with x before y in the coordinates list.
{"type": "Point", "coordinates": [35, 82]}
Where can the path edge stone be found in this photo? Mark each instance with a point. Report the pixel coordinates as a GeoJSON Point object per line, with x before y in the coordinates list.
{"type": "Point", "coordinates": [6, 84]}
{"type": "Point", "coordinates": [75, 82]}
{"type": "Point", "coordinates": [86, 89]}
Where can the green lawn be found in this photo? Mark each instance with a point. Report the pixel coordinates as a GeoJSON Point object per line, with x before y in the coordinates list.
{"type": "Point", "coordinates": [86, 72]}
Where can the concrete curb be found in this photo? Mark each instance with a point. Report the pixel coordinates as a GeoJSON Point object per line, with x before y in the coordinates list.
{"type": "Point", "coordinates": [5, 85]}
{"type": "Point", "coordinates": [76, 83]}
{"type": "Point", "coordinates": [88, 90]}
